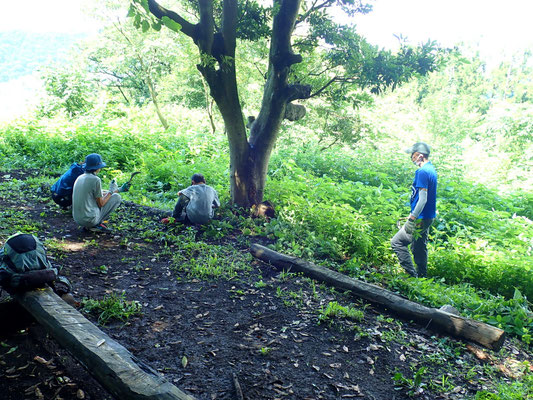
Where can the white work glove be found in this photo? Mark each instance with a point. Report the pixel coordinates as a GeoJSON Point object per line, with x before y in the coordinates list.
{"type": "Point", "coordinates": [113, 187]}
{"type": "Point", "coordinates": [409, 226]}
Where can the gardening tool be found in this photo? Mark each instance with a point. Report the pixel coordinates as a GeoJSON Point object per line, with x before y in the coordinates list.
{"type": "Point", "coordinates": [126, 186]}
{"type": "Point", "coordinates": [132, 175]}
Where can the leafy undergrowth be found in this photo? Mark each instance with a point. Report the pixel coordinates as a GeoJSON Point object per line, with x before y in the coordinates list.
{"type": "Point", "coordinates": [112, 307]}
{"type": "Point", "coordinates": [339, 204]}
{"type": "Point", "coordinates": [204, 309]}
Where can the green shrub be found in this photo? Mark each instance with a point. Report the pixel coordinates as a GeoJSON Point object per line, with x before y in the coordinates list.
{"type": "Point", "coordinates": [335, 207]}
{"type": "Point", "coordinates": [335, 310]}
{"type": "Point", "coordinates": [111, 307]}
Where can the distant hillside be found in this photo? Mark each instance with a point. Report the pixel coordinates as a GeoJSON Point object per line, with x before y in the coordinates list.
{"type": "Point", "coordinates": [22, 53]}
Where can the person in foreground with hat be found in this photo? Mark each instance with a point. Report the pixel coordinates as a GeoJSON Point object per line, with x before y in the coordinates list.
{"type": "Point", "coordinates": [423, 211]}
{"type": "Point", "coordinates": [90, 205]}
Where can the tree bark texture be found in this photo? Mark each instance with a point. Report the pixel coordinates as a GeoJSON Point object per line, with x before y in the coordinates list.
{"type": "Point", "coordinates": [479, 332]}
{"type": "Point", "coordinates": [249, 157]}
{"type": "Point", "coordinates": [109, 362]}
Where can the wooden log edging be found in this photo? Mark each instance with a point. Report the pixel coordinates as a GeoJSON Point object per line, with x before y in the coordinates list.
{"type": "Point", "coordinates": [108, 361]}
{"type": "Point", "coordinates": [476, 331]}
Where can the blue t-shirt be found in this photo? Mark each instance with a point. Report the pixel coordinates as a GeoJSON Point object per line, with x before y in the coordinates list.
{"type": "Point", "coordinates": [425, 178]}
{"type": "Point", "coordinates": [63, 187]}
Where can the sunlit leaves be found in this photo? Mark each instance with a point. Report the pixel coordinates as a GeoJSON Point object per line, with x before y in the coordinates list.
{"type": "Point", "coordinates": [145, 26]}
{"type": "Point", "coordinates": [171, 24]}
{"type": "Point", "coordinates": [254, 21]}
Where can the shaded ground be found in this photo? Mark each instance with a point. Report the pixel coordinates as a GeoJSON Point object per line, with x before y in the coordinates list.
{"type": "Point", "coordinates": [209, 310]}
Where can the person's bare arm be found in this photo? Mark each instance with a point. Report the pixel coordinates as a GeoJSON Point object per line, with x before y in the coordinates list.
{"type": "Point", "coordinates": [102, 201]}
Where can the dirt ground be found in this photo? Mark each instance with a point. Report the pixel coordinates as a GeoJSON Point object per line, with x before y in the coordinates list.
{"type": "Point", "coordinates": [199, 333]}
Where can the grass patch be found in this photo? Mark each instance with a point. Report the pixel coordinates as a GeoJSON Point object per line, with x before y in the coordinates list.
{"type": "Point", "coordinates": [335, 310]}
{"type": "Point", "coordinates": [111, 307]}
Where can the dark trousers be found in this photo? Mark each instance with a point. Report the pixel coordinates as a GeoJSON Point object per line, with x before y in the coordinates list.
{"type": "Point", "coordinates": [62, 201]}
{"type": "Point", "coordinates": [418, 242]}
{"type": "Point", "coordinates": [180, 210]}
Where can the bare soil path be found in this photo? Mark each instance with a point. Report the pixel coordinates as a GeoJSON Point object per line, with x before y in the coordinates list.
{"type": "Point", "coordinates": [200, 329]}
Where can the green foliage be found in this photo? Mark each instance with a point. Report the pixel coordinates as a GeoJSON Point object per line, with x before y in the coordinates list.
{"type": "Point", "coordinates": [207, 261]}
{"type": "Point", "coordinates": [514, 315]}
{"type": "Point", "coordinates": [516, 390]}
{"type": "Point", "coordinates": [264, 351]}
{"type": "Point", "coordinates": [112, 307]}
{"type": "Point", "coordinates": [335, 310]}
{"type": "Point", "coordinates": [60, 145]}
{"type": "Point", "coordinates": [69, 90]}
{"type": "Point", "coordinates": [413, 385]}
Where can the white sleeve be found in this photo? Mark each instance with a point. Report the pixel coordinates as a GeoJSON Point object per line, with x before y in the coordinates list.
{"type": "Point", "coordinates": [422, 200]}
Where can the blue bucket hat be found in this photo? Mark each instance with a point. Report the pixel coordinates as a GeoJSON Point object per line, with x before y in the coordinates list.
{"type": "Point", "coordinates": [94, 162]}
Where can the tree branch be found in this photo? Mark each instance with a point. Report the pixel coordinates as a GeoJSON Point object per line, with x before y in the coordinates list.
{"type": "Point", "coordinates": [321, 72]}
{"type": "Point", "coordinates": [313, 8]}
{"type": "Point", "coordinates": [319, 91]}
{"type": "Point", "coordinates": [265, 128]}
{"type": "Point", "coordinates": [297, 91]}
{"type": "Point", "coordinates": [281, 54]}
{"type": "Point", "coordinates": [337, 138]}
{"type": "Point", "coordinates": [159, 11]}
{"type": "Point", "coordinates": [206, 26]}
{"type": "Point", "coordinates": [229, 26]}
{"type": "Point", "coordinates": [113, 74]}
{"type": "Point", "coordinates": [122, 93]}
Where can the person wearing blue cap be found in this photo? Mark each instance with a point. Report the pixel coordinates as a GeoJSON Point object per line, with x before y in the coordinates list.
{"type": "Point", "coordinates": [91, 206]}
{"type": "Point", "coordinates": [423, 211]}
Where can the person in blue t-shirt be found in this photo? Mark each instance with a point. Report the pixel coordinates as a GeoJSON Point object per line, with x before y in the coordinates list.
{"type": "Point", "coordinates": [62, 189]}
{"type": "Point", "coordinates": [423, 211]}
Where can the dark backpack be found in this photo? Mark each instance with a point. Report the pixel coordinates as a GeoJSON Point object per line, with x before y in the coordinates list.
{"type": "Point", "coordinates": [23, 264]}
{"type": "Point", "coordinates": [64, 185]}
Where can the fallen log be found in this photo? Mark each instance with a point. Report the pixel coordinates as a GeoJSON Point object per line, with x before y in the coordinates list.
{"type": "Point", "coordinates": [479, 332]}
{"type": "Point", "coordinates": [108, 361]}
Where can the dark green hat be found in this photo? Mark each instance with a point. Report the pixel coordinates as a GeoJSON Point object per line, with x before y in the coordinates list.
{"type": "Point", "coordinates": [419, 147]}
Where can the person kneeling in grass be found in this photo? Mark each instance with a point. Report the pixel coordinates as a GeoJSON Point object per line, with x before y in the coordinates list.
{"type": "Point", "coordinates": [195, 204]}
{"type": "Point", "coordinates": [91, 206]}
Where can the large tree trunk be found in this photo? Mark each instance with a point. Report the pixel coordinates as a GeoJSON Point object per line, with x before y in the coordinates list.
{"type": "Point", "coordinates": [249, 174]}
{"type": "Point", "coordinates": [249, 157]}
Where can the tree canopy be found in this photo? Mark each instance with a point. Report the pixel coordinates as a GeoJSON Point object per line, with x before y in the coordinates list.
{"type": "Point", "coordinates": [310, 55]}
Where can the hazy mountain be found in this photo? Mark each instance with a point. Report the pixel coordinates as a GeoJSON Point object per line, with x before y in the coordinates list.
{"type": "Point", "coordinates": [22, 53]}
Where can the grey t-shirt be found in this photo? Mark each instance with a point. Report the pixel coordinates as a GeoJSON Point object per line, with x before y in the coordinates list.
{"type": "Point", "coordinates": [86, 189]}
{"type": "Point", "coordinates": [202, 198]}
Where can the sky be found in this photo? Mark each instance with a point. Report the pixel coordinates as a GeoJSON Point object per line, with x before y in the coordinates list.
{"type": "Point", "coordinates": [496, 24]}
{"type": "Point", "coordinates": [500, 27]}
{"type": "Point", "coordinates": [58, 16]}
